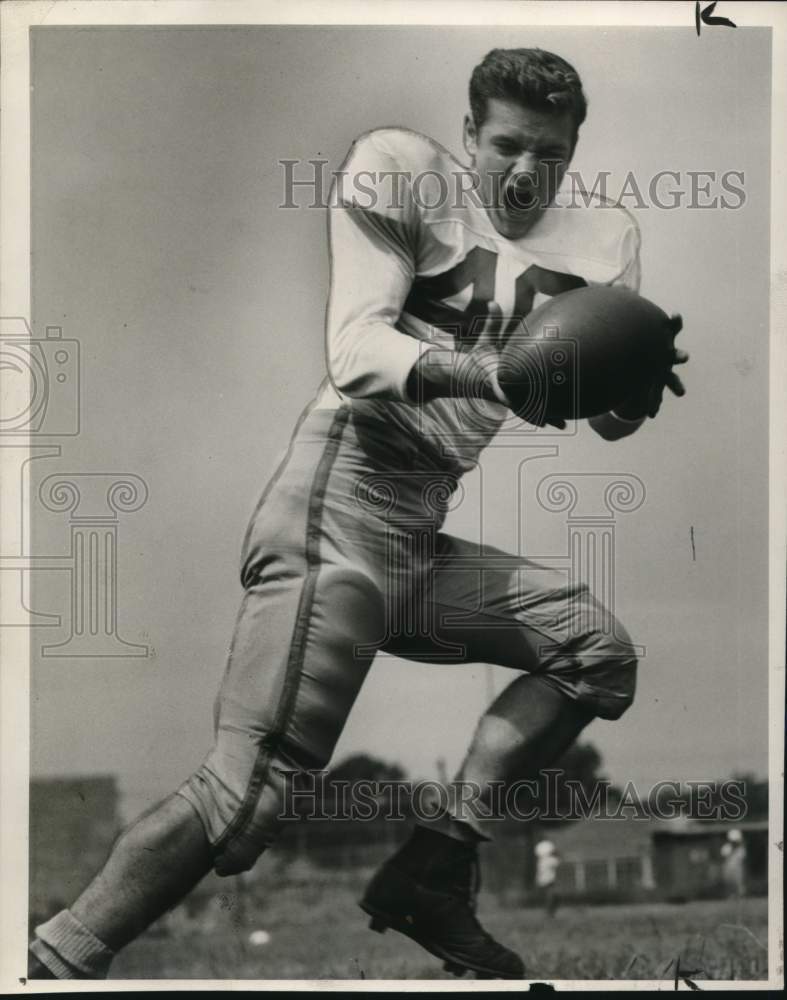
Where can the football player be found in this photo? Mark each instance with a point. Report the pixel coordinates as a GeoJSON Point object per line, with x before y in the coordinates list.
{"type": "Point", "coordinates": [433, 264]}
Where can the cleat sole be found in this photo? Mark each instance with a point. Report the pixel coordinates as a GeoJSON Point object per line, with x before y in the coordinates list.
{"type": "Point", "coordinates": [380, 923]}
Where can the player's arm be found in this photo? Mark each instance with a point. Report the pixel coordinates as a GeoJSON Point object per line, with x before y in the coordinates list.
{"type": "Point", "coordinates": [465, 375]}
{"type": "Point", "coordinates": [374, 231]}
{"type": "Point", "coordinates": [473, 374]}
{"type": "Point", "coordinates": [372, 269]}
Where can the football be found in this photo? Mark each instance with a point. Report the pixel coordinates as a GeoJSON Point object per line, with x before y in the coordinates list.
{"type": "Point", "coordinates": [583, 352]}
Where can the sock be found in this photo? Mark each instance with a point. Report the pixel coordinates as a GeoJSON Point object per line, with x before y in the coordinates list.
{"type": "Point", "coordinates": [428, 842]}
{"type": "Point", "coordinates": [456, 829]}
{"type": "Point", "coordinates": [46, 960]}
{"type": "Point", "coordinates": [455, 817]}
{"type": "Point", "coordinates": [68, 948]}
{"type": "Point", "coordinates": [36, 969]}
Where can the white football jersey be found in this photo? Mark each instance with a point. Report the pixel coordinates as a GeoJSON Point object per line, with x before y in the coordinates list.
{"type": "Point", "coordinates": [416, 263]}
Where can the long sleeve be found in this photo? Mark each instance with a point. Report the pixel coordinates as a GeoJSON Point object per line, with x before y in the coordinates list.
{"type": "Point", "coordinates": [373, 237]}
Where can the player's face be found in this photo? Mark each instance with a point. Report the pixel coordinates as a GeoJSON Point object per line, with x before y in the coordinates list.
{"type": "Point", "coordinates": [520, 155]}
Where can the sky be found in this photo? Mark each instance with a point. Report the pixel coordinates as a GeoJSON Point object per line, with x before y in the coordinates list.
{"type": "Point", "coordinates": [198, 303]}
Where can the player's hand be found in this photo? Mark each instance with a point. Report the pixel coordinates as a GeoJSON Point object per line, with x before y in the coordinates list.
{"type": "Point", "coordinates": [647, 402]}
{"type": "Point", "coordinates": [487, 349]}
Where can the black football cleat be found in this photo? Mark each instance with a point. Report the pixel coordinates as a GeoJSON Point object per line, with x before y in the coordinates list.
{"type": "Point", "coordinates": [427, 892]}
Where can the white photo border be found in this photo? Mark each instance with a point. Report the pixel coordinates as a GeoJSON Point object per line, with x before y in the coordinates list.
{"type": "Point", "coordinates": [17, 17]}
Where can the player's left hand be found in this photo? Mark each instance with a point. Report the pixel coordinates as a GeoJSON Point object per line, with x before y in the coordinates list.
{"type": "Point", "coordinates": [648, 402]}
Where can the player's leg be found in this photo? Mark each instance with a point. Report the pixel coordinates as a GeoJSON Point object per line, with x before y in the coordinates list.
{"type": "Point", "coordinates": [428, 889]}
{"type": "Point", "coordinates": [577, 660]}
{"type": "Point", "coordinates": [525, 730]}
{"type": "Point", "coordinates": [295, 668]}
{"type": "Point", "coordinates": [153, 864]}
{"type": "Point", "coordinates": [281, 709]}
{"type": "Point", "coordinates": [498, 609]}
{"type": "Point", "coordinates": [291, 678]}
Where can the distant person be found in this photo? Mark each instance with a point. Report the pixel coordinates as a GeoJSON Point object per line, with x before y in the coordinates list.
{"type": "Point", "coordinates": [547, 866]}
{"type": "Point", "coordinates": [733, 855]}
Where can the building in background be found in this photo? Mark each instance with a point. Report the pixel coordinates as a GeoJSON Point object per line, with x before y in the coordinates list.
{"type": "Point", "coordinates": [604, 860]}
{"type": "Point", "coordinates": [689, 859]}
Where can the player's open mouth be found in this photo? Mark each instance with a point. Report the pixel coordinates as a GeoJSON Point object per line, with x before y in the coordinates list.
{"type": "Point", "coordinates": [519, 199]}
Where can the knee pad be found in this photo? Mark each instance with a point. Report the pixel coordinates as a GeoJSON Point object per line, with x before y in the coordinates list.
{"type": "Point", "coordinates": [609, 668]}
{"type": "Point", "coordinates": [598, 669]}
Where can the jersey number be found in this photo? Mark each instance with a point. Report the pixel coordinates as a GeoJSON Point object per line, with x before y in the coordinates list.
{"type": "Point", "coordinates": [479, 269]}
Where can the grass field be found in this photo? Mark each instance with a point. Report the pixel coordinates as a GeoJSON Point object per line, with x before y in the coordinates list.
{"type": "Point", "coordinates": [318, 932]}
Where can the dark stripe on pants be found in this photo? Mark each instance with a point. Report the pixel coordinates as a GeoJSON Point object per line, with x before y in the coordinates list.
{"type": "Point", "coordinates": [271, 741]}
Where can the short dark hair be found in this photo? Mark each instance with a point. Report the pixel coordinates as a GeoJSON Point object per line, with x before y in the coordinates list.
{"type": "Point", "coordinates": [531, 77]}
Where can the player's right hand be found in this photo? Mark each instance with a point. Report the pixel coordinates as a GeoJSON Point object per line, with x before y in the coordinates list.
{"type": "Point", "coordinates": [488, 349]}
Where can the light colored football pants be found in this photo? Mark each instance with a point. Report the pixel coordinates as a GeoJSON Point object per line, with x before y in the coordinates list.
{"type": "Point", "coordinates": [344, 556]}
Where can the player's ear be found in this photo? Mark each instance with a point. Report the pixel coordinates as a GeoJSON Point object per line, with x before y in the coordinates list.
{"type": "Point", "coordinates": [470, 136]}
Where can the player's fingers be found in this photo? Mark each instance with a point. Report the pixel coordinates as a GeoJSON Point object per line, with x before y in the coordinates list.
{"type": "Point", "coordinates": [680, 357]}
{"type": "Point", "coordinates": [675, 384]}
{"type": "Point", "coordinates": [489, 329]}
